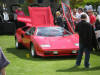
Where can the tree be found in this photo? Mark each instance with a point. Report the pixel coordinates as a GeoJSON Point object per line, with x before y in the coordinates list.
{"type": "Point", "coordinates": [75, 3]}
{"type": "Point", "coordinates": [29, 1]}
{"type": "Point", "coordinates": [82, 3]}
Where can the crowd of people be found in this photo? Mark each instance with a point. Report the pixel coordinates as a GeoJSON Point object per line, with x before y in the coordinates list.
{"type": "Point", "coordinates": [92, 18]}
{"type": "Point", "coordinates": [6, 17]}
{"type": "Point", "coordinates": [86, 22]}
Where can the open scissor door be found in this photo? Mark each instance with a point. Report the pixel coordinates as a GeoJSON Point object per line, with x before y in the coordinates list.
{"type": "Point", "coordinates": [68, 17]}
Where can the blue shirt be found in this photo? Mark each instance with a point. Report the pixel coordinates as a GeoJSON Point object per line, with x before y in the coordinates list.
{"type": "Point", "coordinates": [3, 61]}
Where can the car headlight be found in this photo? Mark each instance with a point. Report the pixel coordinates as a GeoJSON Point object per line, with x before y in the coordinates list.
{"type": "Point", "coordinates": [55, 52]}
{"type": "Point", "coordinates": [74, 51]}
{"type": "Point", "coordinates": [45, 45]}
{"type": "Point", "coordinates": [76, 44]}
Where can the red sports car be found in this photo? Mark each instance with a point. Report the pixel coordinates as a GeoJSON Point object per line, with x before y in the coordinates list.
{"type": "Point", "coordinates": [47, 40]}
{"type": "Point", "coordinates": [43, 38]}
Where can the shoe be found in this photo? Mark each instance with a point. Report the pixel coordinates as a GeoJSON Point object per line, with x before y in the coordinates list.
{"type": "Point", "coordinates": [76, 66]}
{"type": "Point", "coordinates": [87, 67]}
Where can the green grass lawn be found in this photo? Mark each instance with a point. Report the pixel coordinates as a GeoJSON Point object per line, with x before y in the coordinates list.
{"type": "Point", "coordinates": [20, 65]}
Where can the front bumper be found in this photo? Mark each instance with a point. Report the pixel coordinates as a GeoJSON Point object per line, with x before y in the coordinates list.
{"type": "Point", "coordinates": [47, 53]}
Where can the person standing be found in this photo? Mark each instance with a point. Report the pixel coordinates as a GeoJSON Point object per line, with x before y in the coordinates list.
{"type": "Point", "coordinates": [86, 40]}
{"type": "Point", "coordinates": [81, 11]}
{"type": "Point", "coordinates": [92, 18]}
{"type": "Point", "coordinates": [1, 14]}
{"type": "Point", "coordinates": [3, 63]}
{"type": "Point", "coordinates": [75, 15]}
{"type": "Point", "coordinates": [6, 16]}
{"type": "Point", "coordinates": [19, 12]}
{"type": "Point", "coordinates": [58, 20]}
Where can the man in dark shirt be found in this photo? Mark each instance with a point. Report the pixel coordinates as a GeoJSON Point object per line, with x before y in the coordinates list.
{"type": "Point", "coordinates": [87, 40]}
{"type": "Point", "coordinates": [3, 63]}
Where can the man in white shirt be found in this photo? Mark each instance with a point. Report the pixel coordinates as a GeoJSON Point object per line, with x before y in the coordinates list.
{"type": "Point", "coordinates": [80, 11]}
{"type": "Point", "coordinates": [6, 16]}
{"type": "Point", "coordinates": [75, 15]}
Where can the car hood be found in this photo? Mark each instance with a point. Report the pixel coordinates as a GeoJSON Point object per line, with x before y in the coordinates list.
{"type": "Point", "coordinates": [61, 42]}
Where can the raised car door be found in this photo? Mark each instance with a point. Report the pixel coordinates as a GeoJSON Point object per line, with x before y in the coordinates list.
{"type": "Point", "coordinates": [68, 16]}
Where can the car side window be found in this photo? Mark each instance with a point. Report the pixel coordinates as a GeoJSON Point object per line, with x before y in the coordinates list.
{"type": "Point", "coordinates": [31, 31]}
{"type": "Point", "coordinates": [25, 28]}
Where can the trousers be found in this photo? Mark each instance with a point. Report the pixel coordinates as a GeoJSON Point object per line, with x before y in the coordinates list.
{"type": "Point", "coordinates": [82, 49]}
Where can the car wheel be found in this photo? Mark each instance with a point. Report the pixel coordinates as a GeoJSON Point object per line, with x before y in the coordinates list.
{"type": "Point", "coordinates": [17, 44]}
{"type": "Point", "coordinates": [33, 52]}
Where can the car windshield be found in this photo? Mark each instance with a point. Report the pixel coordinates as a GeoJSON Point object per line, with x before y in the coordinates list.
{"type": "Point", "coordinates": [52, 31]}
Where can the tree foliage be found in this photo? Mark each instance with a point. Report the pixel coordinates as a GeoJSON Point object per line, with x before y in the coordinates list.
{"type": "Point", "coordinates": [82, 3]}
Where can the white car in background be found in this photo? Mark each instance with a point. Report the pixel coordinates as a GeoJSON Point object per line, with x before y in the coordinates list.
{"type": "Point", "coordinates": [97, 32]}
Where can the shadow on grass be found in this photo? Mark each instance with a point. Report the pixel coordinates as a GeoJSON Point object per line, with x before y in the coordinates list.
{"type": "Point", "coordinates": [21, 53]}
{"type": "Point", "coordinates": [76, 69]}
{"type": "Point", "coordinates": [96, 53]}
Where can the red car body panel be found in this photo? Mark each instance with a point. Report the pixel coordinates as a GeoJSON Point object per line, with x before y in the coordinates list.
{"type": "Point", "coordinates": [60, 42]}
{"type": "Point", "coordinates": [38, 16]}
{"type": "Point", "coordinates": [25, 19]}
{"type": "Point", "coordinates": [42, 17]}
{"type": "Point", "coordinates": [64, 45]}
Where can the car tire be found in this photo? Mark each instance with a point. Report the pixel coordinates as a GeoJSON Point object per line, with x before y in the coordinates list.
{"type": "Point", "coordinates": [33, 52]}
{"type": "Point", "coordinates": [17, 44]}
